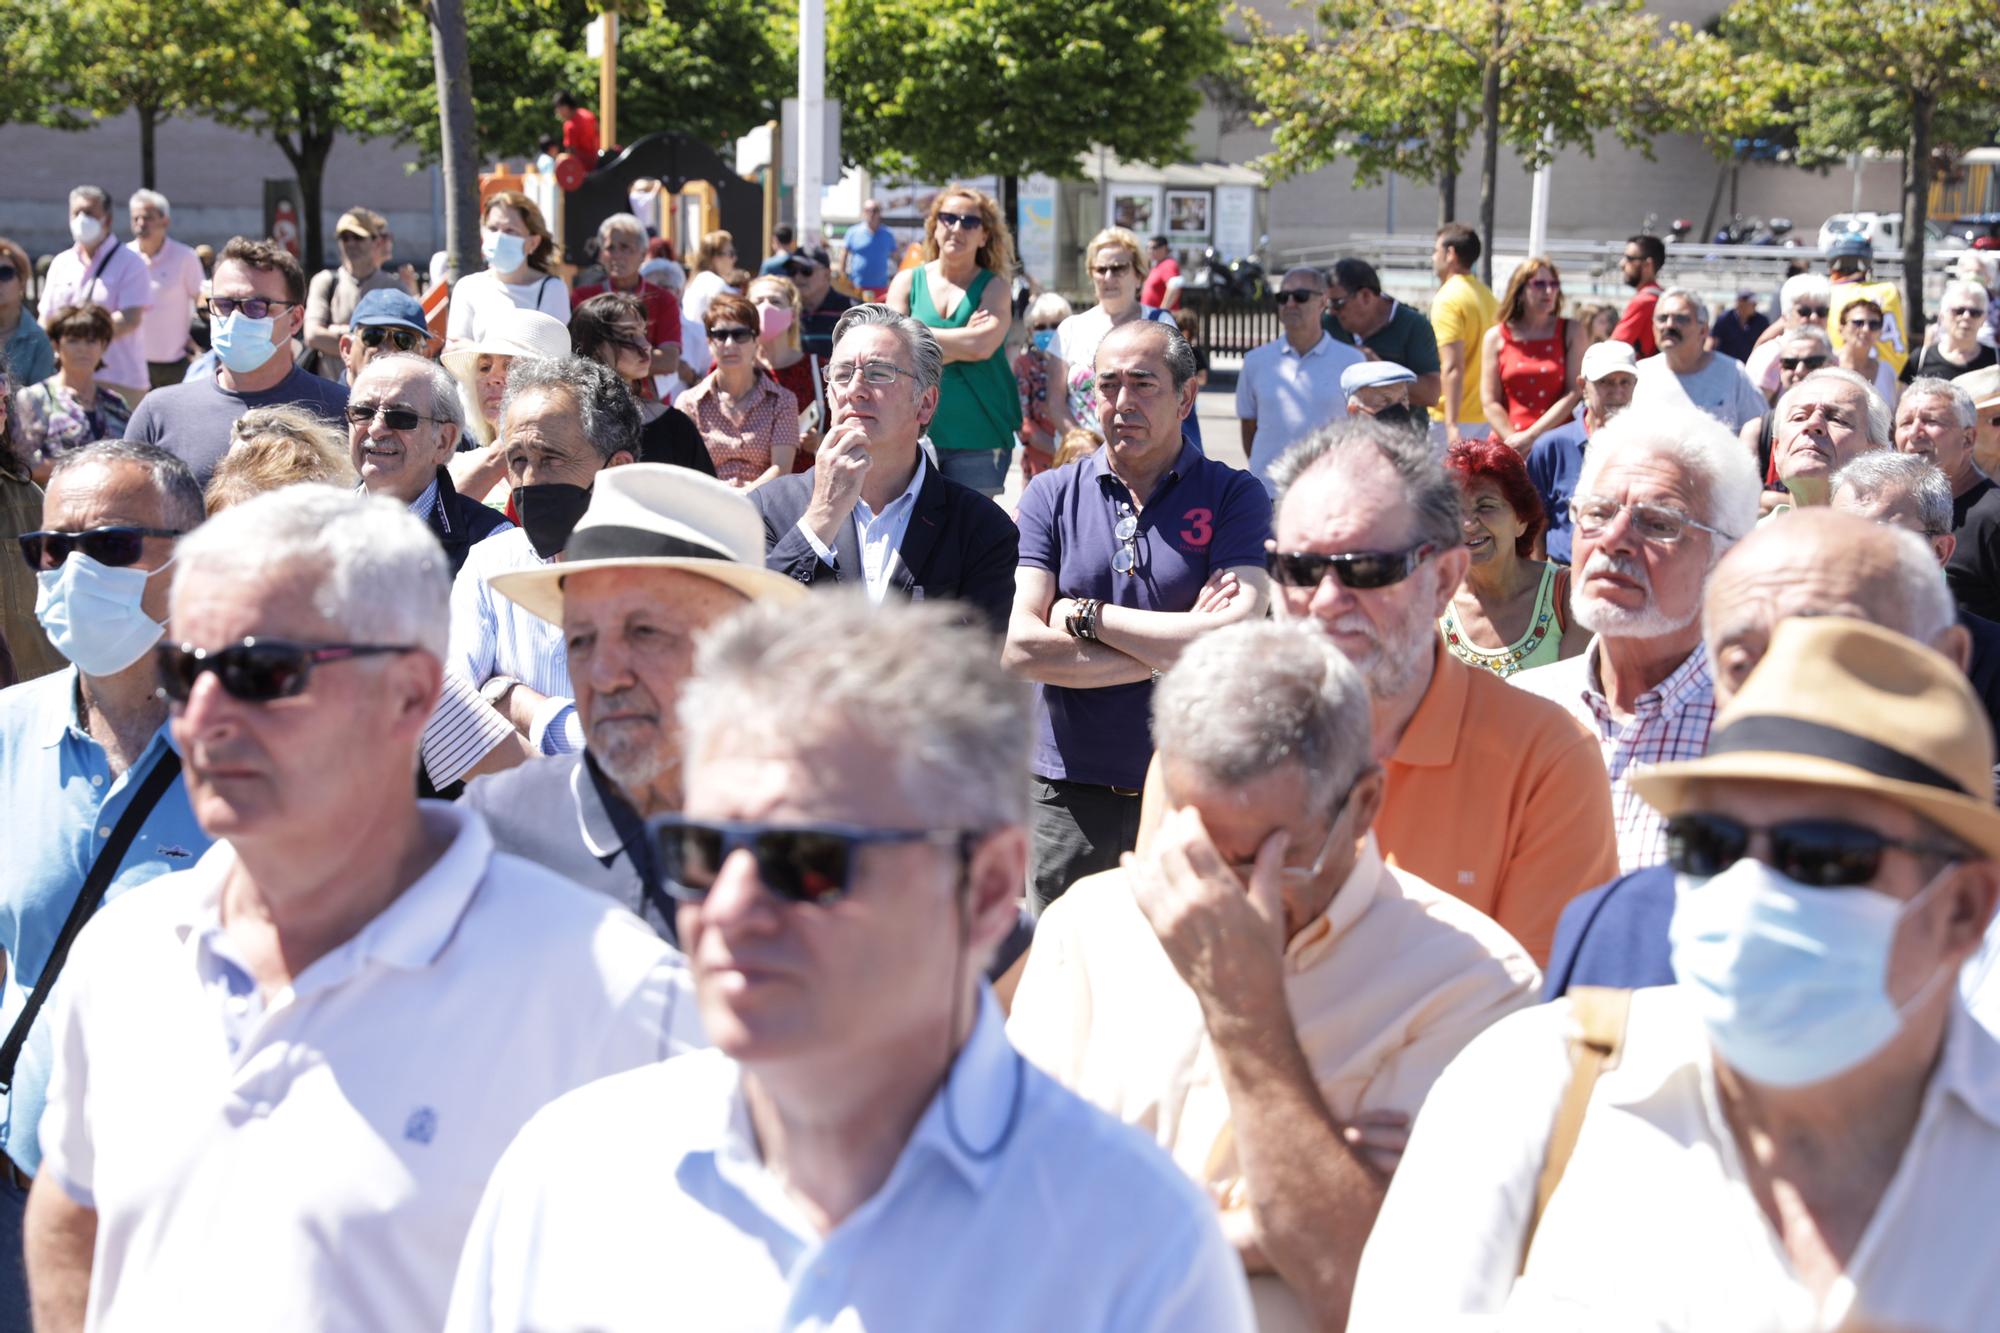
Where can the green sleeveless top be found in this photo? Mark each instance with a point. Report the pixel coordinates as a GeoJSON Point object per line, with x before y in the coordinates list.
{"type": "Point", "coordinates": [1541, 645]}
{"type": "Point", "coordinates": [979, 405]}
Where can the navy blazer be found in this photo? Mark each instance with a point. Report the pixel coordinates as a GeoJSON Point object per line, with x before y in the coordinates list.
{"type": "Point", "coordinates": [959, 544]}
{"type": "Point", "coordinates": [457, 521]}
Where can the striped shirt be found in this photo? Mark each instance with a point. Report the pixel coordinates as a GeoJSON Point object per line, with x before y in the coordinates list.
{"type": "Point", "coordinates": [740, 446]}
{"type": "Point", "coordinates": [463, 730]}
{"type": "Point", "coordinates": [492, 636]}
{"type": "Point", "coordinates": [1669, 722]}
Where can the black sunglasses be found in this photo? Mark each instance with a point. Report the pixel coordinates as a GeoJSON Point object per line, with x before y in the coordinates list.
{"type": "Point", "coordinates": [1361, 570]}
{"type": "Point", "coordinates": [967, 221]}
{"type": "Point", "coordinates": [255, 307]}
{"type": "Point", "coordinates": [801, 863]}
{"type": "Point", "coordinates": [397, 418]}
{"type": "Point", "coordinates": [115, 546]}
{"type": "Point", "coordinates": [1794, 362]}
{"type": "Point", "coordinates": [1812, 311]}
{"type": "Point", "coordinates": [731, 333]}
{"type": "Point", "coordinates": [1864, 323]}
{"type": "Point", "coordinates": [255, 671]}
{"type": "Point", "coordinates": [8, 273]}
{"type": "Point", "coordinates": [1298, 294]}
{"type": "Point", "coordinates": [1821, 853]}
{"type": "Point", "coordinates": [403, 340]}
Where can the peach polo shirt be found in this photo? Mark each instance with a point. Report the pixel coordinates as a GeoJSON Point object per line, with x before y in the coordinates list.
{"type": "Point", "coordinates": [1500, 799]}
{"type": "Point", "coordinates": [1386, 986]}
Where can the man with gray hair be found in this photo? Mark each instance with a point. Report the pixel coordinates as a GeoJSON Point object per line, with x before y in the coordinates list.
{"type": "Point", "coordinates": [1799, 353]}
{"type": "Point", "coordinates": [563, 420]}
{"type": "Point", "coordinates": [871, 510]}
{"type": "Point", "coordinates": [367, 1004]}
{"type": "Point", "coordinates": [1936, 420]}
{"type": "Point", "coordinates": [1662, 495]}
{"type": "Point", "coordinates": [404, 422]}
{"type": "Point", "coordinates": [1259, 990]}
{"type": "Point", "coordinates": [1290, 386]}
{"type": "Point", "coordinates": [1822, 424]}
{"type": "Point", "coordinates": [862, 1146]}
{"type": "Point", "coordinates": [1686, 373]}
{"type": "Point", "coordinates": [621, 249]}
{"type": "Point", "coordinates": [173, 272]}
{"type": "Point", "coordinates": [99, 270]}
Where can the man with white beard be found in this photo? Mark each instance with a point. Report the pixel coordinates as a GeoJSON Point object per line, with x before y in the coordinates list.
{"type": "Point", "coordinates": [1662, 495]}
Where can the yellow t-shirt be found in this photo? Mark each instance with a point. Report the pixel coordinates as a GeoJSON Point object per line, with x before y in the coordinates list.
{"type": "Point", "coordinates": [1461, 312]}
{"type": "Point", "coordinates": [1892, 345]}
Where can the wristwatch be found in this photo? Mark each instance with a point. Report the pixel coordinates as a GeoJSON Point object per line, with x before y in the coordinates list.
{"type": "Point", "coordinates": [495, 691]}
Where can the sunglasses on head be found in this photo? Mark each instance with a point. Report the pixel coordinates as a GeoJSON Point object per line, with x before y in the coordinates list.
{"type": "Point", "coordinates": [1822, 853]}
{"type": "Point", "coordinates": [116, 546]}
{"type": "Point", "coordinates": [1794, 362]}
{"type": "Point", "coordinates": [403, 340]}
{"type": "Point", "coordinates": [961, 221]}
{"type": "Point", "coordinates": [254, 307]}
{"type": "Point", "coordinates": [1360, 570]}
{"type": "Point", "coordinates": [801, 863]}
{"type": "Point", "coordinates": [255, 671]}
{"type": "Point", "coordinates": [1300, 295]}
{"type": "Point", "coordinates": [396, 418]}
{"type": "Point", "coordinates": [731, 333]}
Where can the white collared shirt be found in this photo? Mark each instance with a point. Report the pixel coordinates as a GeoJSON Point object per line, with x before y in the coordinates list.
{"type": "Point", "coordinates": [493, 636]}
{"type": "Point", "coordinates": [880, 535]}
{"type": "Point", "coordinates": [643, 1202]}
{"type": "Point", "coordinates": [312, 1160]}
{"type": "Point", "coordinates": [1653, 1226]}
{"type": "Point", "coordinates": [1290, 395]}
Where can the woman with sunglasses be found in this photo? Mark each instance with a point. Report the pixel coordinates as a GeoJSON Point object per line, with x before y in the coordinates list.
{"type": "Point", "coordinates": [748, 421]}
{"type": "Point", "coordinates": [25, 350]}
{"type": "Point", "coordinates": [1860, 326]}
{"type": "Point", "coordinates": [1529, 359]}
{"type": "Point", "coordinates": [70, 409]}
{"type": "Point", "coordinates": [1039, 431]}
{"type": "Point", "coordinates": [959, 292]}
{"type": "Point", "coordinates": [1957, 349]}
{"type": "Point", "coordinates": [1112, 262]}
{"type": "Point", "coordinates": [611, 329]}
{"type": "Point", "coordinates": [781, 354]}
{"type": "Point", "coordinates": [1512, 611]}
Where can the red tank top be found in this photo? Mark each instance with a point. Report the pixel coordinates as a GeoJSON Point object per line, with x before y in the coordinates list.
{"type": "Point", "coordinates": [1532, 374]}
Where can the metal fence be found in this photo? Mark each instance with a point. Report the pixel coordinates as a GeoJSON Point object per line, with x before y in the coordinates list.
{"type": "Point", "coordinates": [1231, 326]}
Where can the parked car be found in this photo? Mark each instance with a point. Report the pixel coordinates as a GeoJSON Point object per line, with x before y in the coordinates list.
{"type": "Point", "coordinates": [1885, 232]}
{"type": "Point", "coordinates": [1979, 231]}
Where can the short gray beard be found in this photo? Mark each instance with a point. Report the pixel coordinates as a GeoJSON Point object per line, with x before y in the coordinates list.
{"type": "Point", "coordinates": [1618, 622]}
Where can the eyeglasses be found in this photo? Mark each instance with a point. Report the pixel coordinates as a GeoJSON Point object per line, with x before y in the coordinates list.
{"type": "Point", "coordinates": [353, 238]}
{"type": "Point", "coordinates": [1046, 328]}
{"type": "Point", "coordinates": [1822, 853]}
{"type": "Point", "coordinates": [1956, 312]}
{"type": "Point", "coordinates": [801, 863]}
{"type": "Point", "coordinates": [961, 221]}
{"type": "Point", "coordinates": [8, 273]}
{"type": "Point", "coordinates": [256, 307]}
{"type": "Point", "coordinates": [1360, 570]}
{"type": "Point", "coordinates": [880, 374]}
{"type": "Point", "coordinates": [1301, 295]}
{"type": "Point", "coordinates": [1337, 303]}
{"type": "Point", "coordinates": [1544, 285]}
{"type": "Point", "coordinates": [1863, 323]}
{"type": "Point", "coordinates": [403, 340]}
{"type": "Point", "coordinates": [116, 546]}
{"type": "Point", "coordinates": [256, 671]}
{"type": "Point", "coordinates": [1126, 558]}
{"type": "Point", "coordinates": [396, 418]}
{"type": "Point", "coordinates": [1812, 311]}
{"type": "Point", "coordinates": [1672, 317]}
{"type": "Point", "coordinates": [1794, 362]}
{"type": "Point", "coordinates": [1654, 523]}
{"type": "Point", "coordinates": [1303, 874]}
{"type": "Point", "coordinates": [731, 333]}
{"type": "Point", "coordinates": [1110, 270]}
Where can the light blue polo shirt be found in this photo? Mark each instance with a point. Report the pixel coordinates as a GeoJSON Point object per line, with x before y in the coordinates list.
{"type": "Point", "coordinates": [62, 801]}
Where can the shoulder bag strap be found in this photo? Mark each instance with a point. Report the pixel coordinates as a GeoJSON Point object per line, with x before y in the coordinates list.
{"type": "Point", "coordinates": [160, 777]}
{"type": "Point", "coordinates": [1600, 1013]}
{"type": "Point", "coordinates": [1561, 595]}
{"type": "Point", "coordinates": [103, 257]}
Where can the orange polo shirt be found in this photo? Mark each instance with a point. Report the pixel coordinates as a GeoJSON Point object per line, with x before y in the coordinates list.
{"type": "Point", "coordinates": [1501, 800]}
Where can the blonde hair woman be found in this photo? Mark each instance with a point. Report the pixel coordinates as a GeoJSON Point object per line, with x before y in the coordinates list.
{"type": "Point", "coordinates": [781, 351]}
{"type": "Point", "coordinates": [277, 446]}
{"type": "Point", "coordinates": [1115, 267]}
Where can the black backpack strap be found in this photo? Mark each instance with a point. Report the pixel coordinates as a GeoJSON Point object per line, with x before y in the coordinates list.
{"type": "Point", "coordinates": [161, 776]}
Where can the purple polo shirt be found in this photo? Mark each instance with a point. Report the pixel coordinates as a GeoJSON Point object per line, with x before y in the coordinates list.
{"type": "Point", "coordinates": [1202, 516]}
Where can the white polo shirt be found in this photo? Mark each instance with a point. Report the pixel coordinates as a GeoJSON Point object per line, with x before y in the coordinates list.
{"type": "Point", "coordinates": [1653, 1226]}
{"type": "Point", "coordinates": [1290, 396]}
{"type": "Point", "coordinates": [642, 1202]}
{"type": "Point", "coordinates": [314, 1161]}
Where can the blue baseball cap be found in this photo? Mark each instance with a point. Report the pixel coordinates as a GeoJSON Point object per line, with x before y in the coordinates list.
{"type": "Point", "coordinates": [391, 306]}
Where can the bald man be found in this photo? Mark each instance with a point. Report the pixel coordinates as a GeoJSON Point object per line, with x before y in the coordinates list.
{"type": "Point", "coordinates": [1816, 562]}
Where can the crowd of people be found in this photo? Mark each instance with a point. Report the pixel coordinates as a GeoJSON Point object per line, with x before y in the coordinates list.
{"type": "Point", "coordinates": [580, 808]}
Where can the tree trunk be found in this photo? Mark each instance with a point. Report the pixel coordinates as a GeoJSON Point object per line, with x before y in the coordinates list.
{"type": "Point", "coordinates": [1010, 209]}
{"type": "Point", "coordinates": [149, 119]}
{"type": "Point", "coordinates": [460, 155]}
{"type": "Point", "coordinates": [1448, 179]}
{"type": "Point", "coordinates": [308, 158]}
{"type": "Point", "coordinates": [1707, 232]}
{"type": "Point", "coordinates": [1916, 213]}
{"type": "Point", "coordinates": [1489, 163]}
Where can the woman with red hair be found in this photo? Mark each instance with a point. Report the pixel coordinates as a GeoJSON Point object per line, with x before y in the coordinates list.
{"type": "Point", "coordinates": [1512, 611]}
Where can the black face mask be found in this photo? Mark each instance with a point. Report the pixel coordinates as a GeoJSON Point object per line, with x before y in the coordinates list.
{"type": "Point", "coordinates": [1396, 414]}
{"type": "Point", "coordinates": [549, 513]}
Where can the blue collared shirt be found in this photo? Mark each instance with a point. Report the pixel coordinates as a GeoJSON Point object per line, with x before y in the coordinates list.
{"type": "Point", "coordinates": [62, 800]}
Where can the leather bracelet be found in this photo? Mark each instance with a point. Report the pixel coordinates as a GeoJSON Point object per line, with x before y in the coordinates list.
{"type": "Point", "coordinates": [1087, 621]}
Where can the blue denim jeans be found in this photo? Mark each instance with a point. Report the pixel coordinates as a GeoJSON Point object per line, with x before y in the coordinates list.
{"type": "Point", "coordinates": [984, 470]}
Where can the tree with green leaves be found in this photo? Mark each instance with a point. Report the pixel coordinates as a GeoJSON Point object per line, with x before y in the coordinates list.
{"type": "Point", "coordinates": [34, 41]}
{"type": "Point", "coordinates": [1883, 74]}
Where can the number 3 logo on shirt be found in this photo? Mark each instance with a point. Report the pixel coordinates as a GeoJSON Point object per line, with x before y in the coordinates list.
{"type": "Point", "coordinates": [1200, 529]}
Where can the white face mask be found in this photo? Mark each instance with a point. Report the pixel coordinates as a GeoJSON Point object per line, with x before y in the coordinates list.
{"type": "Point", "coordinates": [85, 229]}
{"type": "Point", "coordinates": [503, 251]}
{"type": "Point", "coordinates": [92, 613]}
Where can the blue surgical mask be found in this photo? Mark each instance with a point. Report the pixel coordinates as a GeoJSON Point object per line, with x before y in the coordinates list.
{"type": "Point", "coordinates": [1791, 982]}
{"type": "Point", "coordinates": [504, 252]}
{"type": "Point", "coordinates": [1043, 339]}
{"type": "Point", "coordinates": [92, 613]}
{"type": "Point", "coordinates": [242, 343]}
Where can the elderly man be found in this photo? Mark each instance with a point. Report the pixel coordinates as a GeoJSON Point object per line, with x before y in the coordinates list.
{"type": "Point", "coordinates": [1822, 424]}
{"type": "Point", "coordinates": [1936, 420]}
{"type": "Point", "coordinates": [257, 306]}
{"type": "Point", "coordinates": [1605, 381]}
{"type": "Point", "coordinates": [88, 775]}
{"type": "Point", "coordinates": [1381, 390]}
{"type": "Point", "coordinates": [621, 248]}
{"type": "Point", "coordinates": [871, 510]}
{"type": "Point", "coordinates": [661, 555]}
{"type": "Point", "coordinates": [564, 420]}
{"type": "Point", "coordinates": [1290, 386]}
{"type": "Point", "coordinates": [404, 422]}
{"type": "Point", "coordinates": [1259, 989]}
{"type": "Point", "coordinates": [1461, 312]}
{"type": "Point", "coordinates": [1798, 1132]}
{"type": "Point", "coordinates": [863, 1146]}
{"type": "Point", "coordinates": [812, 270]}
{"type": "Point", "coordinates": [1126, 558]}
{"type": "Point", "coordinates": [386, 322]}
{"type": "Point", "coordinates": [1662, 495]}
{"type": "Point", "coordinates": [1813, 563]}
{"type": "Point", "coordinates": [100, 270]}
{"type": "Point", "coordinates": [174, 276]}
{"type": "Point", "coordinates": [367, 1007]}
{"type": "Point", "coordinates": [335, 292]}
{"type": "Point", "coordinates": [1802, 303]}
{"type": "Point", "coordinates": [1645, 255]}
{"type": "Point", "coordinates": [1686, 373]}
{"type": "Point", "coordinates": [1974, 567]}
{"type": "Point", "coordinates": [1799, 353]}
{"type": "Point", "coordinates": [1385, 326]}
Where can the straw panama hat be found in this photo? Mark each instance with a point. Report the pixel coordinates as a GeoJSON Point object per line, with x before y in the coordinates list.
{"type": "Point", "coordinates": [513, 332]}
{"type": "Point", "coordinates": [1838, 702]}
{"type": "Point", "coordinates": [655, 516]}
